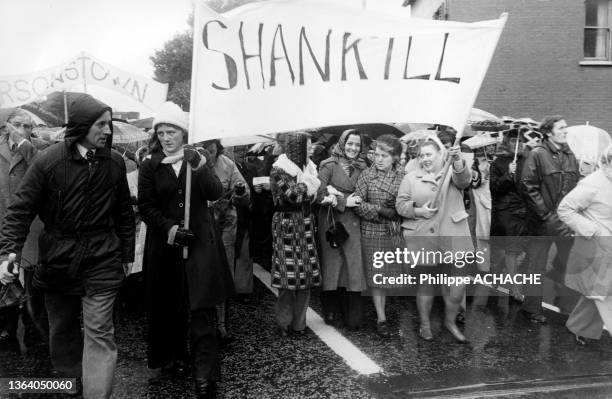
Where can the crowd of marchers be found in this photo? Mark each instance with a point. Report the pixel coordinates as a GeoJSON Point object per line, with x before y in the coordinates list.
{"type": "Point", "coordinates": [310, 214]}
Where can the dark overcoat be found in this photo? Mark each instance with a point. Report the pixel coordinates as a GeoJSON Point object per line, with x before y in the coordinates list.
{"type": "Point", "coordinates": [161, 201]}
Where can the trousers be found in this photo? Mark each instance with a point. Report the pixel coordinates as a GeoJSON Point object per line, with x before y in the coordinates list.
{"type": "Point", "coordinates": [589, 317]}
{"type": "Point", "coordinates": [93, 355]}
{"type": "Point", "coordinates": [538, 257]}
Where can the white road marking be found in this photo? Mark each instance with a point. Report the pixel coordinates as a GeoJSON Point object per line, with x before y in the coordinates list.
{"type": "Point", "coordinates": [344, 348]}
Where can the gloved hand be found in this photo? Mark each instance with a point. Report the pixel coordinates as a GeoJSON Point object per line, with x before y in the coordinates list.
{"type": "Point", "coordinates": [183, 237]}
{"type": "Point", "coordinates": [387, 212]}
{"type": "Point", "coordinates": [239, 188]}
{"type": "Point", "coordinates": [195, 157]}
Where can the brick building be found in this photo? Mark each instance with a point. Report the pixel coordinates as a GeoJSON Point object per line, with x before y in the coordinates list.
{"type": "Point", "coordinates": [548, 61]}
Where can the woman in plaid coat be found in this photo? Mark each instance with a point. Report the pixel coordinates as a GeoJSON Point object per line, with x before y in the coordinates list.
{"type": "Point", "coordinates": [380, 229]}
{"type": "Point", "coordinates": [295, 264]}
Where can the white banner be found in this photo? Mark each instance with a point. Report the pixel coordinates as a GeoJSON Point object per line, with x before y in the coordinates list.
{"type": "Point", "coordinates": [284, 65]}
{"type": "Point", "coordinates": [82, 71]}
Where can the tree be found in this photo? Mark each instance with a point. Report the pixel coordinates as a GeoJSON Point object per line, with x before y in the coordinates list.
{"type": "Point", "coordinates": [173, 62]}
{"type": "Point", "coordinates": [173, 66]}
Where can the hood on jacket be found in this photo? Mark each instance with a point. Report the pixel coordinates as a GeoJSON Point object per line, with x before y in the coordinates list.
{"type": "Point", "coordinates": [83, 111]}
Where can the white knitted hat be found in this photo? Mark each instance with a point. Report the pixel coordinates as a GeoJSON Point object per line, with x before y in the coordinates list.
{"type": "Point", "coordinates": [172, 114]}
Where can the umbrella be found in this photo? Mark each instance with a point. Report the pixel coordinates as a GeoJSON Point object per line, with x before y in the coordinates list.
{"type": "Point", "coordinates": [587, 142]}
{"type": "Point", "coordinates": [478, 115]}
{"type": "Point", "coordinates": [247, 140]}
{"type": "Point", "coordinates": [258, 149]}
{"type": "Point", "coordinates": [481, 140]}
{"type": "Point", "coordinates": [410, 127]}
{"type": "Point", "coordinates": [36, 121]}
{"type": "Point", "coordinates": [417, 136]}
{"type": "Point", "coordinates": [480, 120]}
{"type": "Point", "coordinates": [146, 123]}
{"type": "Point", "coordinates": [123, 133]}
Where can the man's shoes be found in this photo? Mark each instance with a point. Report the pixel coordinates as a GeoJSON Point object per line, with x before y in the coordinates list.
{"type": "Point", "coordinates": [535, 317]}
{"type": "Point", "coordinates": [383, 330]}
{"type": "Point", "coordinates": [205, 389]}
{"type": "Point", "coordinates": [180, 368]}
{"type": "Point", "coordinates": [225, 338]}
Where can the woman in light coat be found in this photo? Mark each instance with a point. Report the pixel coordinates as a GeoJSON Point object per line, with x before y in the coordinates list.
{"type": "Point", "coordinates": [436, 228]}
{"type": "Point", "coordinates": [587, 210]}
{"type": "Point", "coordinates": [342, 268]}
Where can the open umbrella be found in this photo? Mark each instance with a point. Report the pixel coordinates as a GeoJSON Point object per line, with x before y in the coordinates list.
{"type": "Point", "coordinates": [481, 140]}
{"type": "Point", "coordinates": [479, 121]}
{"type": "Point", "coordinates": [417, 135]}
{"type": "Point", "coordinates": [587, 142]}
{"type": "Point", "coordinates": [247, 140]}
{"type": "Point", "coordinates": [123, 133]}
{"type": "Point", "coordinates": [36, 121]}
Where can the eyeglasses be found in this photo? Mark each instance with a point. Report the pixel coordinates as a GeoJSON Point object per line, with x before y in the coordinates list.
{"type": "Point", "coordinates": [26, 126]}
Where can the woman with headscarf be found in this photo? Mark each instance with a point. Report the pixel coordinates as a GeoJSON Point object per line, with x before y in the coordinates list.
{"type": "Point", "coordinates": [181, 294]}
{"type": "Point", "coordinates": [587, 210]}
{"type": "Point", "coordinates": [439, 228]}
{"type": "Point", "coordinates": [342, 267]}
{"type": "Point", "coordinates": [377, 187]}
{"type": "Point", "coordinates": [295, 264]}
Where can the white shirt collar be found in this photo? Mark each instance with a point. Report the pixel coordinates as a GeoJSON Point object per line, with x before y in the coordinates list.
{"type": "Point", "coordinates": [83, 150]}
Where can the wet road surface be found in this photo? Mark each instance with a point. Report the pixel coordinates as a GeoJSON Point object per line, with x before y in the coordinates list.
{"type": "Point", "coordinates": [508, 356]}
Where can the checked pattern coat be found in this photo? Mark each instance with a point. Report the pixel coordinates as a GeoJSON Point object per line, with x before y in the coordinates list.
{"type": "Point", "coordinates": [377, 189]}
{"type": "Point", "coordinates": [295, 263]}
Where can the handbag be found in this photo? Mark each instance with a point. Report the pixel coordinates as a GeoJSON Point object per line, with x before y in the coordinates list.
{"type": "Point", "coordinates": [336, 234]}
{"type": "Point", "coordinates": [12, 294]}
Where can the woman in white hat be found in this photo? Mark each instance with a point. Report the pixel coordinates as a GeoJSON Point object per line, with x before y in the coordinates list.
{"type": "Point", "coordinates": [181, 294]}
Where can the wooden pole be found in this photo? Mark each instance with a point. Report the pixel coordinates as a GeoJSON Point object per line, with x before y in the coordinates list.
{"type": "Point", "coordinates": [187, 203]}
{"type": "Point", "coordinates": [516, 148]}
{"type": "Point", "coordinates": [65, 107]}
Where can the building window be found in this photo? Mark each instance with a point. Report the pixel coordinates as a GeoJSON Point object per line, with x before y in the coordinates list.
{"type": "Point", "coordinates": [597, 30]}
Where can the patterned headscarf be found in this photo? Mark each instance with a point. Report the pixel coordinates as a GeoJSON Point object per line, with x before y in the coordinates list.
{"type": "Point", "coordinates": [296, 148]}
{"type": "Point", "coordinates": [350, 165]}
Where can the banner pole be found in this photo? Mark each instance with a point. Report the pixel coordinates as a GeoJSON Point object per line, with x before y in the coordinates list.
{"type": "Point", "coordinates": [516, 148]}
{"type": "Point", "coordinates": [65, 107]}
{"type": "Point", "coordinates": [187, 203]}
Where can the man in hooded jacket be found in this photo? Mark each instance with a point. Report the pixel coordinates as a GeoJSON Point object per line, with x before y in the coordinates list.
{"type": "Point", "coordinates": [80, 191]}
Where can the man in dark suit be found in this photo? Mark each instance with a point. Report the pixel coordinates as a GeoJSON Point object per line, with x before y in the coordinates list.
{"type": "Point", "coordinates": [17, 150]}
